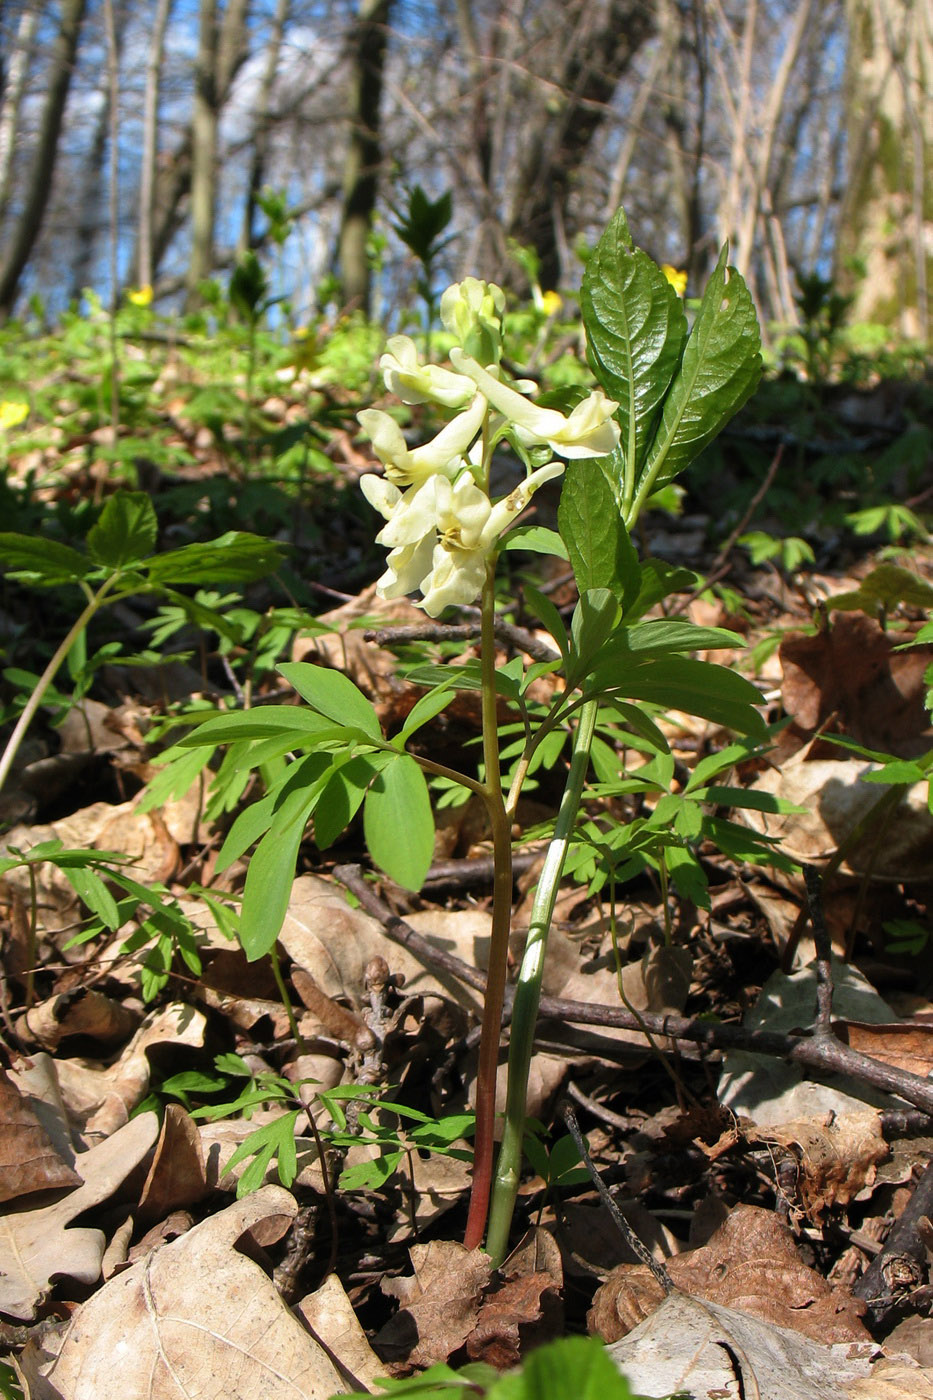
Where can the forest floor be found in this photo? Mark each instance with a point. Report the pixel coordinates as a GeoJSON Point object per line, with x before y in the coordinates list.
{"type": "Point", "coordinates": [775, 1154]}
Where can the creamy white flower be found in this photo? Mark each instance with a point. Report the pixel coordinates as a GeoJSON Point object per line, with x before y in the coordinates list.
{"type": "Point", "coordinates": [444, 453]}
{"type": "Point", "coordinates": [413, 382]}
{"type": "Point", "coordinates": [441, 533]}
{"type": "Point", "coordinates": [589, 430]}
{"type": "Point", "coordinates": [470, 306]}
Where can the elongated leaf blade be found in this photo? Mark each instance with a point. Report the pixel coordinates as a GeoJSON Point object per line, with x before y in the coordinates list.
{"type": "Point", "coordinates": [636, 328]}
{"type": "Point", "coordinates": [601, 553]}
{"type": "Point", "coordinates": [720, 371]}
{"type": "Point", "coordinates": [236, 557]}
{"type": "Point", "coordinates": [126, 531]}
{"type": "Point", "coordinates": [341, 798]}
{"type": "Point", "coordinates": [398, 822]}
{"type": "Point", "coordinates": [333, 694]}
{"type": "Point", "coordinates": [45, 562]}
{"type": "Point", "coordinates": [680, 683]}
{"type": "Point", "coordinates": [265, 722]}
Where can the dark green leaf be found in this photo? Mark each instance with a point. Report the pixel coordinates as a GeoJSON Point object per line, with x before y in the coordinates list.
{"type": "Point", "coordinates": [41, 561]}
{"type": "Point", "coordinates": [720, 371]}
{"type": "Point", "coordinates": [680, 683]}
{"type": "Point", "coordinates": [126, 531]}
{"type": "Point", "coordinates": [636, 328]}
{"type": "Point", "coordinates": [341, 798]}
{"type": "Point", "coordinates": [265, 722]}
{"type": "Point", "coordinates": [601, 553]}
{"type": "Point", "coordinates": [235, 557]}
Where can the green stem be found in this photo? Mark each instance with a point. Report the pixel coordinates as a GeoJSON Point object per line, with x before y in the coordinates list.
{"type": "Point", "coordinates": [528, 991]}
{"type": "Point", "coordinates": [488, 1065]}
{"type": "Point", "coordinates": [46, 679]}
{"type": "Point", "coordinates": [287, 1003]}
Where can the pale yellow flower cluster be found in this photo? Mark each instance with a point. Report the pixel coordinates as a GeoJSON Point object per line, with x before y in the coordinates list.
{"type": "Point", "coordinates": [441, 525]}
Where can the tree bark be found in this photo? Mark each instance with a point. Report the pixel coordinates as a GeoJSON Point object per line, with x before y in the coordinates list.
{"type": "Point", "coordinates": [593, 45]}
{"type": "Point", "coordinates": [361, 169]}
{"type": "Point", "coordinates": [28, 225]}
{"type": "Point", "coordinates": [144, 261]}
{"type": "Point", "coordinates": [885, 248]}
{"type": "Point", "coordinates": [13, 89]}
{"type": "Point", "coordinates": [263, 123]}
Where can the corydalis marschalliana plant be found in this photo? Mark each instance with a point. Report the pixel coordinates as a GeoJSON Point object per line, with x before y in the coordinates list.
{"type": "Point", "coordinates": [442, 528]}
{"type": "Point", "coordinates": [666, 388]}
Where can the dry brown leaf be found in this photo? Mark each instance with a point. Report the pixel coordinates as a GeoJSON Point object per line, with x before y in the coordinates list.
{"type": "Point", "coordinates": [750, 1263]}
{"type": "Point", "coordinates": [176, 1177]}
{"type": "Point", "coordinates": [591, 1243]}
{"type": "Point", "coordinates": [905, 1045]}
{"type": "Point", "coordinates": [526, 1310]}
{"type": "Point", "coordinates": [440, 1304]}
{"type": "Point", "coordinates": [329, 1315]}
{"type": "Point", "coordinates": [37, 1245]}
{"type": "Point", "coordinates": [334, 942]}
{"type": "Point", "coordinates": [852, 670]}
{"type": "Point", "coordinates": [716, 1353]}
{"type": "Point", "coordinates": [29, 1160]}
{"type": "Point", "coordinates": [195, 1318]}
{"type": "Point", "coordinates": [893, 1380]}
{"type": "Point", "coordinates": [837, 1158]}
{"type": "Point", "coordinates": [837, 798]}
{"type": "Point", "coordinates": [83, 1011]}
{"type": "Point", "coordinates": [99, 1098]}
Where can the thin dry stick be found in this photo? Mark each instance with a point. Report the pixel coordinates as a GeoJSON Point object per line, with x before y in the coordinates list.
{"type": "Point", "coordinates": [824, 954]}
{"type": "Point", "coordinates": [624, 1228]}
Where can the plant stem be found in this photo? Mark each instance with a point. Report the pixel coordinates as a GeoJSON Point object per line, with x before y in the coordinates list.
{"type": "Point", "coordinates": [528, 991]}
{"type": "Point", "coordinates": [45, 680]}
{"type": "Point", "coordinates": [501, 922]}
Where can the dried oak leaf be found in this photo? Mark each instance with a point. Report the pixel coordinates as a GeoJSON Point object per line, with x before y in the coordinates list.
{"type": "Point", "coordinates": [37, 1245]}
{"type": "Point", "coordinates": [852, 670]}
{"type": "Point", "coordinates": [750, 1264]}
{"type": "Point", "coordinates": [527, 1309]}
{"type": "Point", "coordinates": [440, 1304]}
{"type": "Point", "coordinates": [837, 1158]}
{"type": "Point", "coordinates": [197, 1317]}
{"type": "Point", "coordinates": [29, 1160]}
{"type": "Point", "coordinates": [702, 1349]}
{"type": "Point", "coordinates": [524, 1312]}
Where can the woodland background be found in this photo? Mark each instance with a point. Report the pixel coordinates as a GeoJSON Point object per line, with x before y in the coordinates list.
{"type": "Point", "coordinates": [136, 140]}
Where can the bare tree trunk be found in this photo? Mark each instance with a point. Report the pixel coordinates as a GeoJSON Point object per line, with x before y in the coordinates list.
{"type": "Point", "coordinates": [29, 223]}
{"type": "Point", "coordinates": [203, 152]}
{"type": "Point", "coordinates": [594, 46]}
{"type": "Point", "coordinates": [144, 266]}
{"type": "Point", "coordinates": [263, 122]}
{"type": "Point", "coordinates": [91, 217]}
{"type": "Point", "coordinates": [14, 88]}
{"type": "Point", "coordinates": [885, 247]}
{"type": "Point", "coordinates": [361, 170]}
{"type": "Point", "coordinates": [174, 172]}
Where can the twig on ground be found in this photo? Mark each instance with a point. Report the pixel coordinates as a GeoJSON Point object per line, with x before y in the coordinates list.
{"type": "Point", "coordinates": [901, 1266]}
{"type": "Point", "coordinates": [824, 1054]}
{"type": "Point", "coordinates": [624, 1228]}
{"type": "Point", "coordinates": [824, 953]}
{"type": "Point", "coordinates": [518, 637]}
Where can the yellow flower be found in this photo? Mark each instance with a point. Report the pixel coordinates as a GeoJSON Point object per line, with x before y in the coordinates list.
{"type": "Point", "coordinates": [12, 413]}
{"type": "Point", "coordinates": [678, 280]}
{"type": "Point", "coordinates": [551, 303]}
{"type": "Point", "coordinates": [140, 296]}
